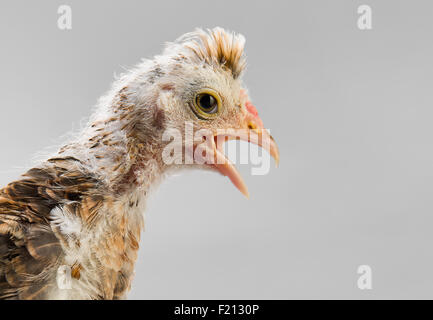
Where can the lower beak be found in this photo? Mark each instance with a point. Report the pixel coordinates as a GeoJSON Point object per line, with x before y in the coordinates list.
{"type": "Point", "coordinates": [258, 136]}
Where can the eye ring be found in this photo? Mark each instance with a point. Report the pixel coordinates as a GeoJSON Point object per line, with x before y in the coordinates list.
{"type": "Point", "coordinates": [207, 104]}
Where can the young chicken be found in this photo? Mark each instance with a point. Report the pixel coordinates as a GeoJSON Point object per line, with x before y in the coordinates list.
{"type": "Point", "coordinates": [82, 209]}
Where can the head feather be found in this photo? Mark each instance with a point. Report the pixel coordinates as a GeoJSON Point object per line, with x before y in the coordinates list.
{"type": "Point", "coordinates": [215, 47]}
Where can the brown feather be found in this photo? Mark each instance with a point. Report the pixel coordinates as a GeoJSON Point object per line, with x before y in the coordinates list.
{"type": "Point", "coordinates": [29, 247]}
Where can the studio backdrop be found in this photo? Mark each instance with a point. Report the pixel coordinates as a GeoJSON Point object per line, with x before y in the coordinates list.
{"type": "Point", "coordinates": [345, 87]}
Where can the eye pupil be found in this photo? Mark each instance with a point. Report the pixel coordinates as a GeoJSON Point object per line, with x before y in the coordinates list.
{"type": "Point", "coordinates": [207, 103]}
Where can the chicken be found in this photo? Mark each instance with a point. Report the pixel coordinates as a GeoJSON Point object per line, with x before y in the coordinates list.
{"type": "Point", "coordinates": [81, 210]}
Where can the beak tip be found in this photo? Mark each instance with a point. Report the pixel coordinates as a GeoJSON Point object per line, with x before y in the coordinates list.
{"type": "Point", "coordinates": [275, 152]}
{"type": "Point", "coordinates": [276, 157]}
{"type": "Point", "coordinates": [245, 192]}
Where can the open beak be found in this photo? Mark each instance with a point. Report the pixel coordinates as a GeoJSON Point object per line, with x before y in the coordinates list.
{"type": "Point", "coordinates": [258, 136]}
{"type": "Point", "coordinates": [255, 133]}
{"type": "Point", "coordinates": [251, 131]}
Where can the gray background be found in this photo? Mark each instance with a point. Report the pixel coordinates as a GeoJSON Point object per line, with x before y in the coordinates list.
{"type": "Point", "coordinates": [351, 110]}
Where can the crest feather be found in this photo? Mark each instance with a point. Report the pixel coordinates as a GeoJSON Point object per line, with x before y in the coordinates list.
{"type": "Point", "coordinates": [216, 47]}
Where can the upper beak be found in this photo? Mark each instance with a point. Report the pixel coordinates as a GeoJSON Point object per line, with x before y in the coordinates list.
{"type": "Point", "coordinates": [255, 134]}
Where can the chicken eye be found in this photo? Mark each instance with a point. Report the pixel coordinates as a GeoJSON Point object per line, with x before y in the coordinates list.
{"type": "Point", "coordinates": [207, 103]}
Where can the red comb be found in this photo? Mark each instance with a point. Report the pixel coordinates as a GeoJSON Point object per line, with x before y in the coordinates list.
{"type": "Point", "coordinates": [251, 109]}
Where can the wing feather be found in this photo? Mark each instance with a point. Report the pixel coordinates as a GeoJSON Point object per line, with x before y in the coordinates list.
{"type": "Point", "coordinates": [30, 250]}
